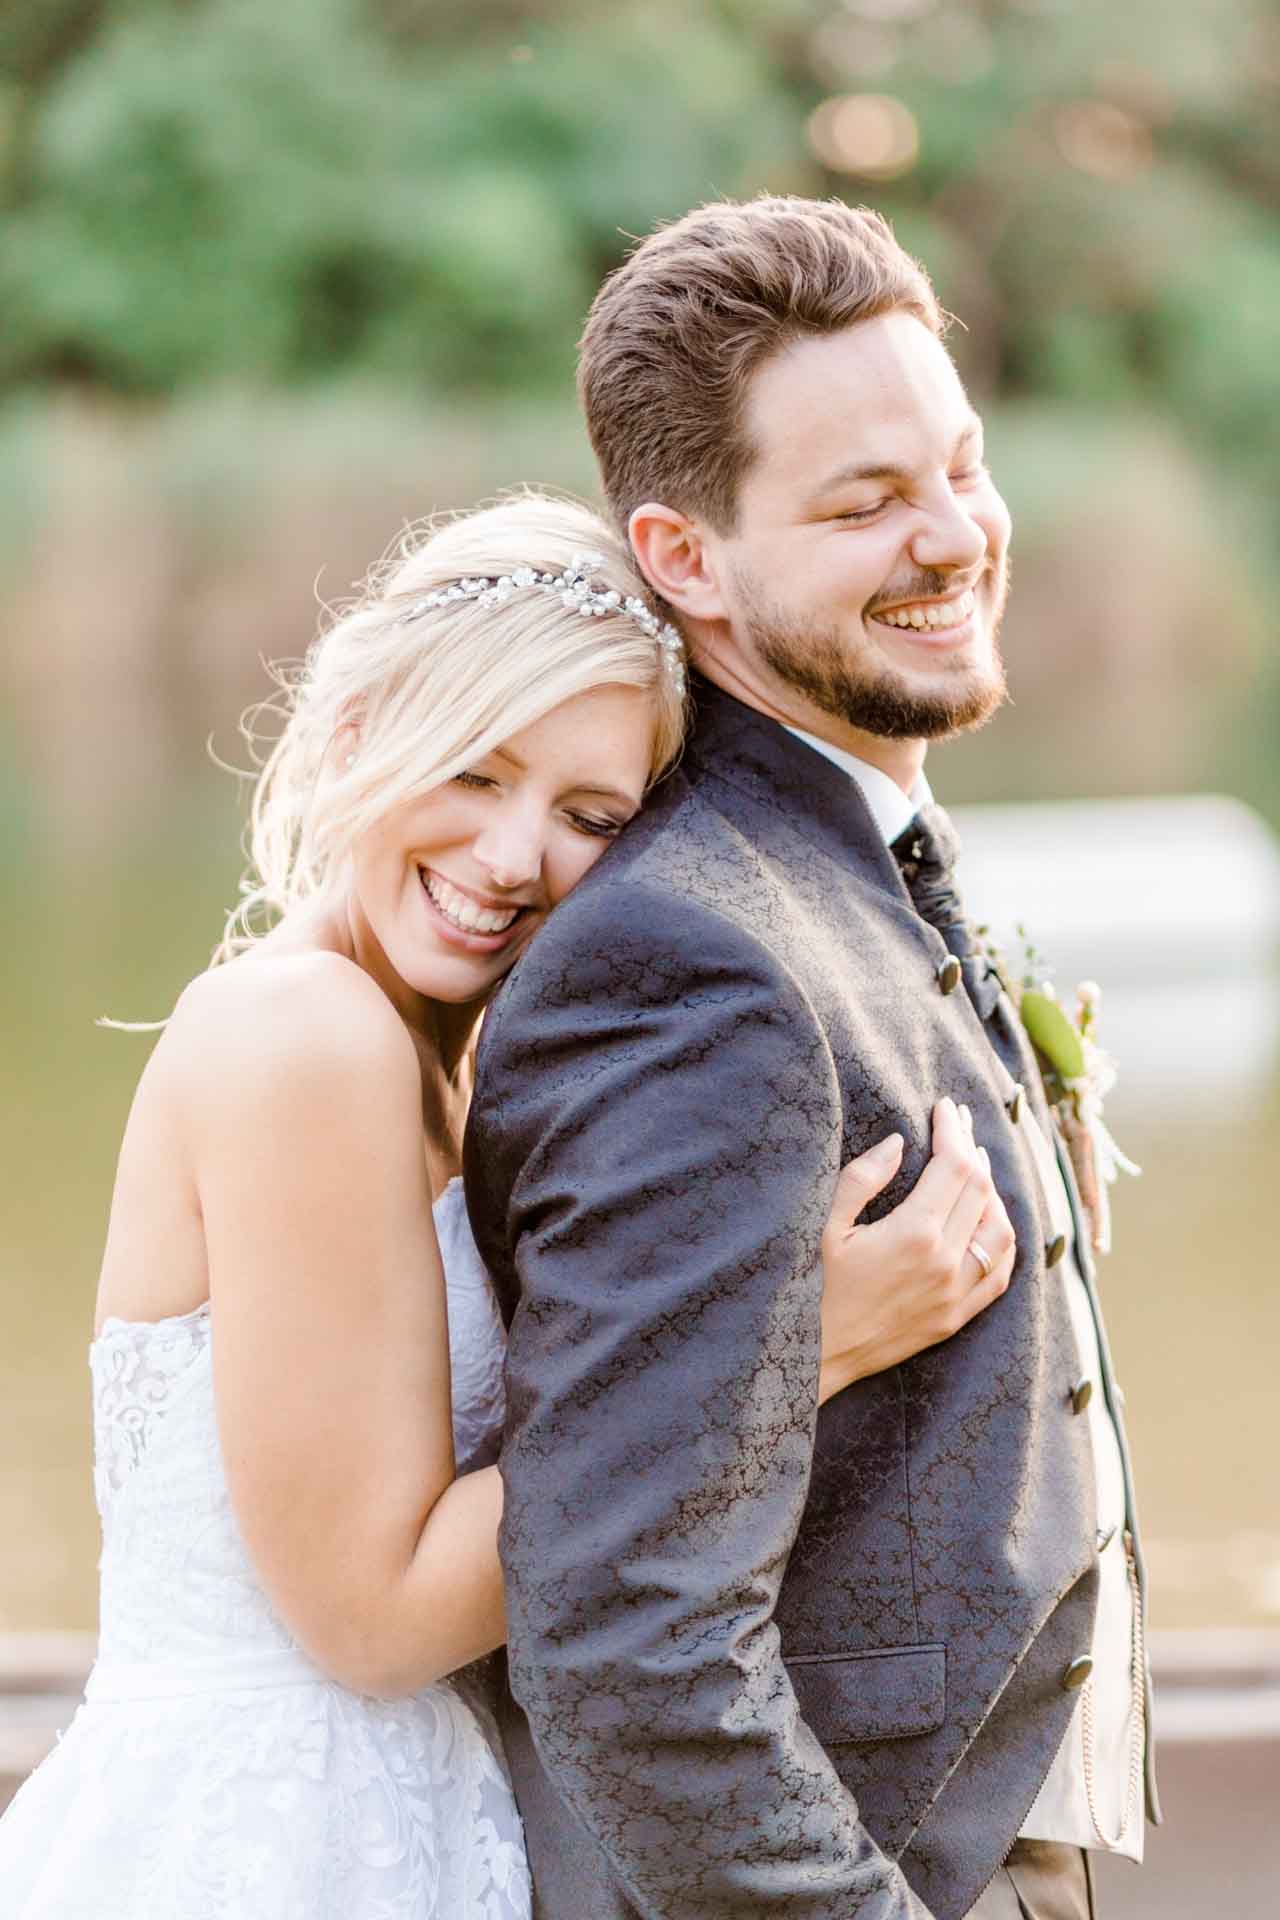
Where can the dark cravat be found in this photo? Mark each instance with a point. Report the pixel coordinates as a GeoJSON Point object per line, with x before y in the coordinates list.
{"type": "Point", "coordinates": [926, 853]}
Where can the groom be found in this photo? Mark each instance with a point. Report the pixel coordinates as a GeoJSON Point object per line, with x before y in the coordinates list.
{"type": "Point", "coordinates": [888, 1663]}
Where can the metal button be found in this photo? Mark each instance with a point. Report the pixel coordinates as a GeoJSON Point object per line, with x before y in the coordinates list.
{"type": "Point", "coordinates": [1076, 1673]}
{"type": "Point", "coordinates": [1081, 1393]}
{"type": "Point", "coordinates": [1104, 1538]}
{"type": "Point", "coordinates": [949, 974]}
{"type": "Point", "coordinates": [1054, 1249]}
{"type": "Point", "coordinates": [1014, 1104]}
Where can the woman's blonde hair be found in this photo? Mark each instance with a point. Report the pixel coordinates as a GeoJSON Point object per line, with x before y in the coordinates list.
{"type": "Point", "coordinates": [393, 700]}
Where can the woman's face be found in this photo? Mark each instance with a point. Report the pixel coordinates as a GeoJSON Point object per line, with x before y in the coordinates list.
{"type": "Point", "coordinates": [452, 887]}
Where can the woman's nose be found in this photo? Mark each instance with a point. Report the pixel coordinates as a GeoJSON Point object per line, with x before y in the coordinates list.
{"type": "Point", "coordinates": [510, 849]}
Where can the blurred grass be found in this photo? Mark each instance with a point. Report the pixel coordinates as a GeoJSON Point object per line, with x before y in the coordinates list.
{"type": "Point", "coordinates": [116, 937]}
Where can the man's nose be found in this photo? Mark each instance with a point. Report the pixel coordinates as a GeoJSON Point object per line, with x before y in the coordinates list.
{"type": "Point", "coordinates": [950, 537]}
{"type": "Point", "coordinates": [511, 847]}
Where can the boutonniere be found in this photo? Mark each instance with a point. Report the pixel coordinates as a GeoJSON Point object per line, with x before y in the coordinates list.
{"type": "Point", "coordinates": [1078, 1075]}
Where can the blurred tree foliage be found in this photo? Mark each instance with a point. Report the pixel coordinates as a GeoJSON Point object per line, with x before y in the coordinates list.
{"type": "Point", "coordinates": [424, 194]}
{"type": "Point", "coordinates": [320, 186]}
{"type": "Point", "coordinates": [430, 192]}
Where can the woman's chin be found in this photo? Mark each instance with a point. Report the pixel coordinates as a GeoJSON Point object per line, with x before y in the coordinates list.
{"type": "Point", "coordinates": [453, 975]}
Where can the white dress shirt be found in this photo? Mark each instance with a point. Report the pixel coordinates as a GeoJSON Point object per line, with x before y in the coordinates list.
{"type": "Point", "coordinates": [1061, 1809]}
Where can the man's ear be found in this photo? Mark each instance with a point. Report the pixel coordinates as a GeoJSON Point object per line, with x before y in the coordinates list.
{"type": "Point", "coordinates": [672, 554]}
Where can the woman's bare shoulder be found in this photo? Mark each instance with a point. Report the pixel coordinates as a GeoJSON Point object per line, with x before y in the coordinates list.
{"type": "Point", "coordinates": [287, 1027]}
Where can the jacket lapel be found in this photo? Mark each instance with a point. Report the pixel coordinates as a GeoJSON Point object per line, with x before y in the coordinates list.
{"type": "Point", "coordinates": [801, 791]}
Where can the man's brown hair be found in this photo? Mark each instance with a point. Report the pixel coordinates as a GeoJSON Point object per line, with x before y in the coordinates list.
{"type": "Point", "coordinates": [675, 335]}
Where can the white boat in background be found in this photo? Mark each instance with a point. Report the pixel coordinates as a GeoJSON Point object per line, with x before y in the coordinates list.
{"type": "Point", "coordinates": [1172, 906]}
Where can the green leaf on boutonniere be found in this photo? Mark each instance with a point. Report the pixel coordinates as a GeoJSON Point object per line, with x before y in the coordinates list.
{"type": "Point", "coordinates": [1052, 1034]}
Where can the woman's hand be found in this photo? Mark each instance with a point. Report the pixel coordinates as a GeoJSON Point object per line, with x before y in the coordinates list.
{"type": "Point", "coordinates": [912, 1279]}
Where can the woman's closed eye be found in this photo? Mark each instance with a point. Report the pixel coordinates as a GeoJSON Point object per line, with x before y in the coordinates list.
{"type": "Point", "coordinates": [598, 828]}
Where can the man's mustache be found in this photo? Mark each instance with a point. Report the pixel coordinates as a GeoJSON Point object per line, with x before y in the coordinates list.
{"type": "Point", "coordinates": [929, 585]}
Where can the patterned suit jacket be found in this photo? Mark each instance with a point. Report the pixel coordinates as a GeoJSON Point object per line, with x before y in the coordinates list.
{"type": "Point", "coordinates": [761, 1662]}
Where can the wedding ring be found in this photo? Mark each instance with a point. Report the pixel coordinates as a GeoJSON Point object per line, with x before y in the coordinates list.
{"type": "Point", "coordinates": [982, 1257]}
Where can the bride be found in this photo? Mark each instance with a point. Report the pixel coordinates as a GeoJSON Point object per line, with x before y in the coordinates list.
{"type": "Point", "coordinates": [297, 1368]}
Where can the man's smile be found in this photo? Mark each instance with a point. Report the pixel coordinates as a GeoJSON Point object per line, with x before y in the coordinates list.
{"type": "Point", "coordinates": [952, 612]}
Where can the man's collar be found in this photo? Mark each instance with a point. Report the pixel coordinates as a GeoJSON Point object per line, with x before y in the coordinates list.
{"type": "Point", "coordinates": [891, 808]}
{"type": "Point", "coordinates": [796, 791]}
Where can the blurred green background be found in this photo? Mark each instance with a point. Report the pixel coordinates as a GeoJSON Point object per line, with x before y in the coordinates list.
{"type": "Point", "coordinates": [278, 277]}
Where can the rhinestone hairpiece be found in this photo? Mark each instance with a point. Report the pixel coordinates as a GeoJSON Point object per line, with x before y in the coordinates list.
{"type": "Point", "coordinates": [578, 592]}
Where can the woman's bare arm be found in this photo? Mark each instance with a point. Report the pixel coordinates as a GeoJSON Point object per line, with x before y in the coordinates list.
{"type": "Point", "coordinates": [302, 1106]}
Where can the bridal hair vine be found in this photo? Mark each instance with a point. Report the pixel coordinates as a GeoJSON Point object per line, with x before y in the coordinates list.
{"type": "Point", "coordinates": [577, 591]}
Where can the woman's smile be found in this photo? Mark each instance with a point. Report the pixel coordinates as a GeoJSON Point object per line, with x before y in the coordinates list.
{"type": "Point", "coordinates": [466, 919]}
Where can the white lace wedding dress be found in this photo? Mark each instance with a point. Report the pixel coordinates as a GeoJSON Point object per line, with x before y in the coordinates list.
{"type": "Point", "coordinates": [213, 1772]}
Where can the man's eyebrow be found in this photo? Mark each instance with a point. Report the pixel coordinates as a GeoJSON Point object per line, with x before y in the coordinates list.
{"type": "Point", "coordinates": [887, 469]}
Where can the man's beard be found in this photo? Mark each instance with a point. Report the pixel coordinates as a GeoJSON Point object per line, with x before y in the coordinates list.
{"type": "Point", "coordinates": [848, 683]}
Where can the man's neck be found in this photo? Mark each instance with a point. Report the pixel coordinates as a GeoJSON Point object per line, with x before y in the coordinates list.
{"type": "Point", "coordinates": [901, 760]}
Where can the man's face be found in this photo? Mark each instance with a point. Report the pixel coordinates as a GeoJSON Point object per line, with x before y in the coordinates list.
{"type": "Point", "coordinates": [869, 566]}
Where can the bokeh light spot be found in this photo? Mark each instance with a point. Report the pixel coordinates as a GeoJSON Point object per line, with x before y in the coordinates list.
{"type": "Point", "coordinates": [1098, 138]}
{"type": "Point", "coordinates": [868, 133]}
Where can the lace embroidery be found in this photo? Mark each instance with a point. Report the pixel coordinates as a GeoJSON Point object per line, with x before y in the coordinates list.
{"type": "Point", "coordinates": [303, 1803]}
{"type": "Point", "coordinates": [294, 1801]}
{"type": "Point", "coordinates": [135, 1367]}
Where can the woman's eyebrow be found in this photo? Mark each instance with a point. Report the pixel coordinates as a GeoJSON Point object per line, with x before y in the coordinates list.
{"type": "Point", "coordinates": [608, 793]}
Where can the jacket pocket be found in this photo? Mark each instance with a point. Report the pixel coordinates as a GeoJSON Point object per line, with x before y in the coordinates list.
{"type": "Point", "coordinates": [883, 1694]}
